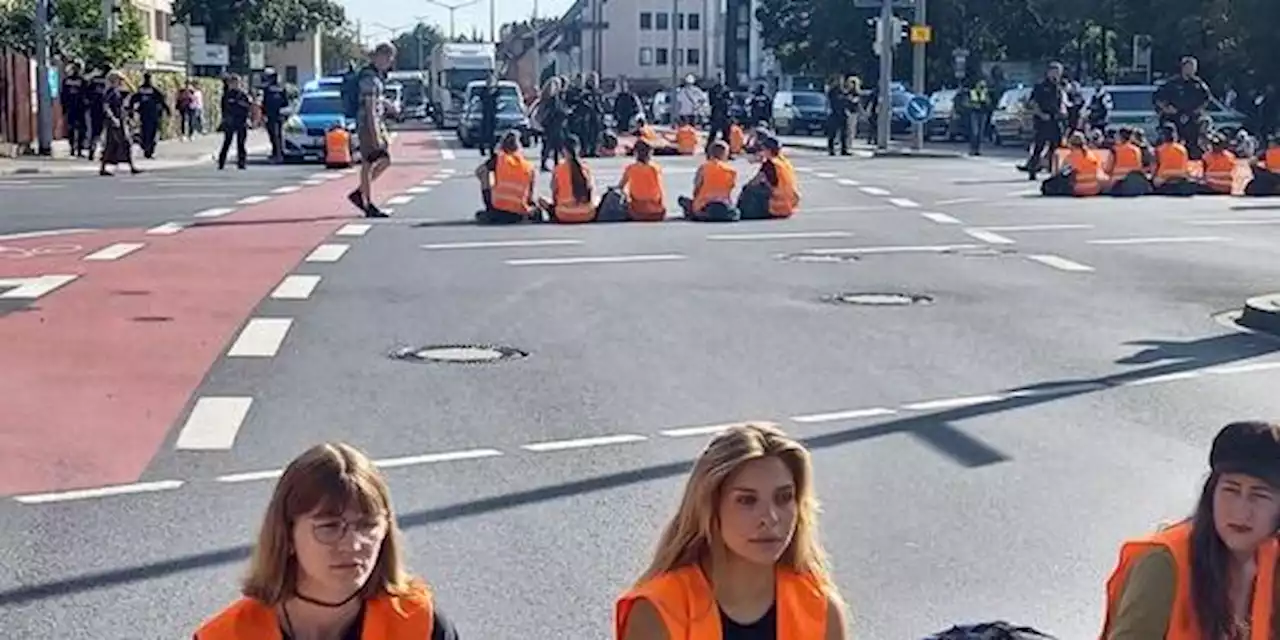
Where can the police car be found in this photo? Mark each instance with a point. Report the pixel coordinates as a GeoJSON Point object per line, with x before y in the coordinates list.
{"type": "Point", "coordinates": [305, 129]}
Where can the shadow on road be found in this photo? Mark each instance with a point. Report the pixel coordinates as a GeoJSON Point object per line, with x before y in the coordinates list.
{"type": "Point", "coordinates": [933, 429]}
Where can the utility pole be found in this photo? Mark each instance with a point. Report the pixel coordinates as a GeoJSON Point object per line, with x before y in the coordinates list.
{"type": "Point", "coordinates": [675, 43]}
{"type": "Point", "coordinates": [189, 48]}
{"type": "Point", "coordinates": [493, 24]}
{"type": "Point", "coordinates": [706, 49]}
{"type": "Point", "coordinates": [109, 18]}
{"type": "Point", "coordinates": [454, 7]}
{"type": "Point", "coordinates": [884, 99]}
{"type": "Point", "coordinates": [537, 49]}
{"type": "Point", "coordinates": [918, 68]}
{"type": "Point", "coordinates": [44, 98]}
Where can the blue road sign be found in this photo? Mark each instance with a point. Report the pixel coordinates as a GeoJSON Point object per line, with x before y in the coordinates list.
{"type": "Point", "coordinates": [919, 108]}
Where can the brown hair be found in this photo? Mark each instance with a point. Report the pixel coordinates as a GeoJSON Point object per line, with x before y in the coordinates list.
{"type": "Point", "coordinates": [718, 150]}
{"type": "Point", "coordinates": [329, 478]}
{"type": "Point", "coordinates": [510, 142]}
{"type": "Point", "coordinates": [1210, 586]}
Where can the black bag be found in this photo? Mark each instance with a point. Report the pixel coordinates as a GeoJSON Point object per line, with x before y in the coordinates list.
{"type": "Point", "coordinates": [613, 207]}
{"type": "Point", "coordinates": [999, 630]}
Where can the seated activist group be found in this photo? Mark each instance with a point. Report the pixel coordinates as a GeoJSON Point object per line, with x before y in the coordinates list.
{"type": "Point", "coordinates": [508, 181]}
{"type": "Point", "coordinates": [1124, 165]}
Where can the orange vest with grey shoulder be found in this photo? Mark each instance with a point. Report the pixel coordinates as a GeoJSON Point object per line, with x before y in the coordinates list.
{"type": "Point", "coordinates": [1183, 622]}
{"type": "Point", "coordinates": [385, 618]}
{"type": "Point", "coordinates": [687, 606]}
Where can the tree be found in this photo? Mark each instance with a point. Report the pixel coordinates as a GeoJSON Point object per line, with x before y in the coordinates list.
{"type": "Point", "coordinates": [339, 47]}
{"type": "Point", "coordinates": [77, 32]}
{"type": "Point", "coordinates": [413, 48]}
{"type": "Point", "coordinates": [236, 22]}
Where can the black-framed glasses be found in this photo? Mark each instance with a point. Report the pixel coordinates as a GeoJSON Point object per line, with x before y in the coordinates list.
{"type": "Point", "coordinates": [330, 532]}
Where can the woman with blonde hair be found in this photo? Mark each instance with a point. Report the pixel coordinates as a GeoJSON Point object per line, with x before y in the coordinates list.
{"type": "Point", "coordinates": [328, 561]}
{"type": "Point", "coordinates": [741, 558]}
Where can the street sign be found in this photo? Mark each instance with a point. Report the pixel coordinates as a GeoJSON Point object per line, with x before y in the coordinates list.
{"type": "Point", "coordinates": [257, 55]}
{"type": "Point", "coordinates": [919, 108]}
{"type": "Point", "coordinates": [876, 4]}
{"type": "Point", "coordinates": [921, 34]}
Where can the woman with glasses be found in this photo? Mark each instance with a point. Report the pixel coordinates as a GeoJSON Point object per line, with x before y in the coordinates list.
{"type": "Point", "coordinates": [328, 563]}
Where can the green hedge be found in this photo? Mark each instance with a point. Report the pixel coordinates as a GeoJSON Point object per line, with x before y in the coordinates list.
{"type": "Point", "coordinates": [170, 83]}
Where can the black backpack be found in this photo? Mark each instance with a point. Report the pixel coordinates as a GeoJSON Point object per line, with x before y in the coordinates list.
{"type": "Point", "coordinates": [999, 630]}
{"type": "Point", "coordinates": [351, 92]}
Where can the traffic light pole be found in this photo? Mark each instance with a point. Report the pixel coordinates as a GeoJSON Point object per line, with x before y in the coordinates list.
{"type": "Point", "coordinates": [918, 68]}
{"type": "Point", "coordinates": [44, 97]}
{"type": "Point", "coordinates": [884, 100]}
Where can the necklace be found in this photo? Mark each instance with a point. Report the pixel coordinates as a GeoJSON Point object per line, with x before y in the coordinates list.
{"type": "Point", "coordinates": [288, 622]}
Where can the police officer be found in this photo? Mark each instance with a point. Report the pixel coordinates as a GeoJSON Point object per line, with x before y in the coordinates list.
{"type": "Point", "coordinates": [721, 99]}
{"type": "Point", "coordinates": [489, 115]}
{"type": "Point", "coordinates": [761, 106]}
{"type": "Point", "coordinates": [593, 115]}
{"type": "Point", "coordinates": [1048, 108]}
{"type": "Point", "coordinates": [149, 103]}
{"type": "Point", "coordinates": [72, 97]}
{"type": "Point", "coordinates": [838, 120]}
{"type": "Point", "coordinates": [274, 99]}
{"type": "Point", "coordinates": [1182, 101]}
{"type": "Point", "coordinates": [94, 105]}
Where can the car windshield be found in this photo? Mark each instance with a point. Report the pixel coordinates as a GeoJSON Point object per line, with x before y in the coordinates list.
{"type": "Point", "coordinates": [944, 99]}
{"type": "Point", "coordinates": [1011, 98]}
{"type": "Point", "coordinates": [815, 100]}
{"type": "Point", "coordinates": [1132, 101]}
{"type": "Point", "coordinates": [320, 105]}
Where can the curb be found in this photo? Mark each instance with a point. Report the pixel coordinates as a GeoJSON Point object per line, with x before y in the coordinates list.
{"type": "Point", "coordinates": [153, 164]}
{"type": "Point", "coordinates": [1262, 313]}
{"type": "Point", "coordinates": [914, 153]}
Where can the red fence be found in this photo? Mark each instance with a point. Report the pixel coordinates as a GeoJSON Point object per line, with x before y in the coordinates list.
{"type": "Point", "coordinates": [17, 117]}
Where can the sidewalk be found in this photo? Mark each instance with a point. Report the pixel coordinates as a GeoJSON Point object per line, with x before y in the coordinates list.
{"type": "Point", "coordinates": [170, 154]}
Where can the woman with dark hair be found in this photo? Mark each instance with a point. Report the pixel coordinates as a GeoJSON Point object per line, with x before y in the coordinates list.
{"type": "Point", "coordinates": [1212, 576]}
{"type": "Point", "coordinates": [572, 197]}
{"type": "Point", "coordinates": [506, 184]}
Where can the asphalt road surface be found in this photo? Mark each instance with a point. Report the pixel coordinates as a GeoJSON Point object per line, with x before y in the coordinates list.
{"type": "Point", "coordinates": [980, 453]}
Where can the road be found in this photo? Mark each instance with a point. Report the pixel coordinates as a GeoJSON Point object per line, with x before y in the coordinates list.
{"type": "Point", "coordinates": [978, 457]}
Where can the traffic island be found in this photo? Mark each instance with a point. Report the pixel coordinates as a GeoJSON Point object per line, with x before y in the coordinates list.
{"type": "Point", "coordinates": [1262, 313]}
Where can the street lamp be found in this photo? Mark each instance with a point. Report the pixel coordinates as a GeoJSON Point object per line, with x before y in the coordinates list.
{"type": "Point", "coordinates": [454, 7]}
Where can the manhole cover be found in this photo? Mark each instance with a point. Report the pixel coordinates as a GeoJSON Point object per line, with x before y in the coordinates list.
{"type": "Point", "coordinates": [818, 257]}
{"type": "Point", "coordinates": [458, 354]}
{"type": "Point", "coordinates": [880, 299]}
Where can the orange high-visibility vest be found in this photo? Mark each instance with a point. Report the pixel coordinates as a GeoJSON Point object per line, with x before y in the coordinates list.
{"type": "Point", "coordinates": [718, 180]}
{"type": "Point", "coordinates": [646, 197]}
{"type": "Point", "coordinates": [1087, 172]}
{"type": "Point", "coordinates": [1126, 158]}
{"type": "Point", "coordinates": [1172, 162]}
{"type": "Point", "coordinates": [687, 140]}
{"type": "Point", "coordinates": [512, 183]}
{"type": "Point", "coordinates": [737, 139]}
{"type": "Point", "coordinates": [337, 147]}
{"type": "Point", "coordinates": [568, 209]}
{"type": "Point", "coordinates": [786, 195]}
{"type": "Point", "coordinates": [1220, 171]}
{"type": "Point", "coordinates": [688, 608]}
{"type": "Point", "coordinates": [647, 133]}
{"type": "Point", "coordinates": [1271, 159]}
{"type": "Point", "coordinates": [1183, 622]}
{"type": "Point", "coordinates": [385, 618]}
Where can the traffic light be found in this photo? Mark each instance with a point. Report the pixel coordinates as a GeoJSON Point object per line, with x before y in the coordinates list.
{"type": "Point", "coordinates": [900, 30]}
{"type": "Point", "coordinates": [877, 45]}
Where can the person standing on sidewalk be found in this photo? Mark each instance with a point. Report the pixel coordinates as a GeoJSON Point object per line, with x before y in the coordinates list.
{"type": "Point", "coordinates": [117, 145]}
{"type": "Point", "coordinates": [150, 104]}
{"type": "Point", "coordinates": [95, 107]}
{"type": "Point", "coordinates": [236, 107]}
{"type": "Point", "coordinates": [72, 97]}
{"type": "Point", "coordinates": [375, 156]}
{"type": "Point", "coordinates": [838, 120]}
{"type": "Point", "coordinates": [274, 99]}
{"type": "Point", "coordinates": [979, 105]}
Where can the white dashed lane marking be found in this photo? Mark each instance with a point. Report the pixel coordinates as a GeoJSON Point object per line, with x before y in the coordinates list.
{"type": "Point", "coordinates": [287, 189]}
{"type": "Point", "coordinates": [100, 492]}
{"type": "Point", "coordinates": [260, 338]}
{"type": "Point", "coordinates": [1058, 262]}
{"type": "Point", "coordinates": [33, 288]}
{"type": "Point", "coordinates": [328, 253]}
{"type": "Point", "coordinates": [353, 230]}
{"type": "Point", "coordinates": [836, 416]}
{"type": "Point", "coordinates": [501, 244]}
{"type": "Point", "coordinates": [848, 182]}
{"type": "Point", "coordinates": [874, 191]}
{"type": "Point", "coordinates": [1164, 240]}
{"type": "Point", "coordinates": [531, 262]}
{"type": "Point", "coordinates": [295, 287]}
{"type": "Point", "coordinates": [253, 200]}
{"type": "Point", "coordinates": [796, 235]}
{"type": "Point", "coordinates": [399, 200]}
{"type": "Point", "coordinates": [583, 443]}
{"type": "Point", "coordinates": [905, 203]}
{"type": "Point", "coordinates": [989, 237]}
{"type": "Point", "coordinates": [166, 229]}
{"type": "Point", "coordinates": [940, 218]}
{"type": "Point", "coordinates": [213, 423]}
{"type": "Point", "coordinates": [216, 212]}
{"type": "Point", "coordinates": [114, 251]}
{"type": "Point", "coordinates": [1038, 227]}
{"type": "Point", "coordinates": [941, 248]}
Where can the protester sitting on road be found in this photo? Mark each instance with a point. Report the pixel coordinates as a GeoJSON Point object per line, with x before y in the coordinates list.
{"type": "Point", "coordinates": [774, 191]}
{"type": "Point", "coordinates": [329, 561]}
{"type": "Point", "coordinates": [1213, 574]}
{"type": "Point", "coordinates": [737, 139]}
{"type": "Point", "coordinates": [713, 186]}
{"type": "Point", "coordinates": [1148, 153]}
{"type": "Point", "coordinates": [686, 139]}
{"type": "Point", "coordinates": [572, 189]}
{"type": "Point", "coordinates": [506, 184]}
{"type": "Point", "coordinates": [1219, 167]}
{"type": "Point", "coordinates": [1127, 167]}
{"type": "Point", "coordinates": [1081, 173]}
{"type": "Point", "coordinates": [1173, 165]}
{"type": "Point", "coordinates": [1266, 171]}
{"type": "Point", "coordinates": [643, 186]}
{"type": "Point", "coordinates": [741, 558]}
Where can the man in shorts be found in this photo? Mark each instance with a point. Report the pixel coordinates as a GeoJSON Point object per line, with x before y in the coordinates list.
{"type": "Point", "coordinates": [371, 130]}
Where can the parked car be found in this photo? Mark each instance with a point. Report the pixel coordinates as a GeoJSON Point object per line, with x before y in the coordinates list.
{"type": "Point", "coordinates": [305, 130]}
{"type": "Point", "coordinates": [1133, 107]}
{"type": "Point", "coordinates": [511, 117]}
{"type": "Point", "coordinates": [947, 121]}
{"type": "Point", "coordinates": [1011, 121]}
{"type": "Point", "coordinates": [800, 112]}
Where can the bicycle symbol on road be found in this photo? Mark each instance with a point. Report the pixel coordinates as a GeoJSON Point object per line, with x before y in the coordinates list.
{"type": "Point", "coordinates": [21, 253]}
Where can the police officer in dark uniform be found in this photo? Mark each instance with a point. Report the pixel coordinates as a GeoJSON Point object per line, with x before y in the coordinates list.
{"type": "Point", "coordinates": [760, 107]}
{"type": "Point", "coordinates": [1182, 102]}
{"type": "Point", "coordinates": [488, 97]}
{"type": "Point", "coordinates": [1049, 109]}
{"type": "Point", "coordinates": [274, 99]}
{"type": "Point", "coordinates": [95, 106]}
{"type": "Point", "coordinates": [593, 115]}
{"type": "Point", "coordinates": [150, 104]}
{"type": "Point", "coordinates": [72, 97]}
{"type": "Point", "coordinates": [721, 99]}
{"type": "Point", "coordinates": [838, 120]}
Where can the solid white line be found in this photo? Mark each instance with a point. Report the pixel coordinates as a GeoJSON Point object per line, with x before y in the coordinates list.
{"type": "Point", "coordinates": [328, 253]}
{"type": "Point", "coordinates": [417, 191]}
{"type": "Point", "coordinates": [988, 236]}
{"type": "Point", "coordinates": [805, 169]}
{"type": "Point", "coordinates": [43, 234]}
{"type": "Point", "coordinates": [1058, 262]}
{"type": "Point", "coordinates": [943, 203]}
{"type": "Point", "coordinates": [448, 170]}
{"type": "Point", "coordinates": [250, 476]}
{"type": "Point", "coordinates": [447, 154]}
{"type": "Point", "coordinates": [904, 203]}
{"type": "Point", "coordinates": [114, 251]}
{"type": "Point", "coordinates": [1023, 193]}
{"type": "Point", "coordinates": [496, 244]}
{"type": "Point", "coordinates": [848, 182]}
{"type": "Point", "coordinates": [529, 262]}
{"type": "Point", "coordinates": [1233, 222]}
{"type": "Point", "coordinates": [874, 191]}
{"type": "Point", "coordinates": [99, 492]}
{"type": "Point", "coordinates": [1039, 227]}
{"type": "Point", "coordinates": [443, 175]}
{"type": "Point", "coordinates": [780, 236]}
{"type": "Point", "coordinates": [711, 429]}
{"type": "Point", "coordinates": [213, 423]}
{"type": "Point", "coordinates": [287, 189]}
{"type": "Point", "coordinates": [955, 403]}
{"type": "Point", "coordinates": [940, 218]}
{"type": "Point", "coordinates": [33, 288]}
{"type": "Point", "coordinates": [941, 248]}
{"type": "Point", "coordinates": [824, 174]}
{"type": "Point", "coordinates": [354, 230]}
{"type": "Point", "coordinates": [582, 443]}
{"type": "Point", "coordinates": [429, 458]}
{"type": "Point", "coordinates": [1244, 368]}
{"type": "Point", "coordinates": [295, 287]}
{"type": "Point", "coordinates": [166, 229]}
{"type": "Point", "coordinates": [214, 213]}
{"type": "Point", "coordinates": [1164, 240]}
{"type": "Point", "coordinates": [836, 416]}
{"type": "Point", "coordinates": [398, 200]}
{"type": "Point", "coordinates": [322, 175]}
{"type": "Point", "coordinates": [1161, 379]}
{"type": "Point", "coordinates": [312, 182]}
{"type": "Point", "coordinates": [253, 200]}
{"type": "Point", "coordinates": [260, 338]}
{"type": "Point", "coordinates": [430, 183]}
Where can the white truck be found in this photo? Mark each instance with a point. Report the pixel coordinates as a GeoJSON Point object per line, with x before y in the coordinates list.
{"type": "Point", "coordinates": [453, 66]}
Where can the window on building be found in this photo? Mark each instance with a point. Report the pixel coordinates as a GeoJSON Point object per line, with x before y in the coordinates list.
{"type": "Point", "coordinates": [662, 21]}
{"type": "Point", "coordinates": [646, 56]}
{"type": "Point", "coordinates": [693, 57]}
{"type": "Point", "coordinates": [680, 22]}
{"type": "Point", "coordinates": [679, 57]}
{"type": "Point", "coordinates": [646, 21]}
{"type": "Point", "coordinates": [161, 29]}
{"type": "Point", "coordinates": [660, 57]}
{"type": "Point", "coordinates": [291, 74]}
{"type": "Point", "coordinates": [695, 22]}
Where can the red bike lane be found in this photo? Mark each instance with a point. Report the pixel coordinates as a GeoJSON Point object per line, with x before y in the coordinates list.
{"type": "Point", "coordinates": [94, 374]}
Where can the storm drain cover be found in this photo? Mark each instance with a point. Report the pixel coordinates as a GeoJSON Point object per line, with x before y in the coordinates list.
{"type": "Point", "coordinates": [818, 257]}
{"type": "Point", "coordinates": [458, 354]}
{"type": "Point", "coordinates": [880, 299]}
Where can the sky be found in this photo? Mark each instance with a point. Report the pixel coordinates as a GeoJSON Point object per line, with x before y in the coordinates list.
{"type": "Point", "coordinates": [381, 20]}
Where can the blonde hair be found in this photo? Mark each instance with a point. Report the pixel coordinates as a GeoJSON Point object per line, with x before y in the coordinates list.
{"type": "Point", "coordinates": [687, 539]}
{"type": "Point", "coordinates": [329, 478]}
